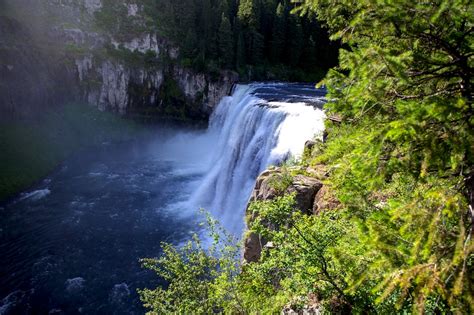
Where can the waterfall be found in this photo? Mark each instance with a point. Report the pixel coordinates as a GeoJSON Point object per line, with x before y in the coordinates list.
{"type": "Point", "coordinates": [261, 124]}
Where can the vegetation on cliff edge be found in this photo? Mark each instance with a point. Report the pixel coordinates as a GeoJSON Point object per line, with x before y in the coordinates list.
{"type": "Point", "coordinates": [261, 40]}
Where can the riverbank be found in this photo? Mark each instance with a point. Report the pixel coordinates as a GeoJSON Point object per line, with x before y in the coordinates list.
{"type": "Point", "coordinates": [33, 148]}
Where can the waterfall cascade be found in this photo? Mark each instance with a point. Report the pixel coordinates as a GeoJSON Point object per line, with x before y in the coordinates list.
{"type": "Point", "coordinates": [261, 124]}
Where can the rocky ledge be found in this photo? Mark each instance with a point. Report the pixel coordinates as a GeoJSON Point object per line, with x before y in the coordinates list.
{"type": "Point", "coordinates": [311, 197]}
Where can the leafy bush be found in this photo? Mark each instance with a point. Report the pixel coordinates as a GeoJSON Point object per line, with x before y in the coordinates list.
{"type": "Point", "coordinates": [199, 278]}
{"type": "Point", "coordinates": [282, 180]}
{"type": "Point", "coordinates": [302, 259]}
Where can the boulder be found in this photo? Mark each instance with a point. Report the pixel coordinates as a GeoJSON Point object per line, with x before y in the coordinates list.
{"type": "Point", "coordinates": [252, 248]}
{"type": "Point", "coordinates": [309, 145]}
{"type": "Point", "coordinates": [319, 172]}
{"type": "Point", "coordinates": [324, 201]}
{"type": "Point", "coordinates": [263, 189]}
{"type": "Point", "coordinates": [305, 189]}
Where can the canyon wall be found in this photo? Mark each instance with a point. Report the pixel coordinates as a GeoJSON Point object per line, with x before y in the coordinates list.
{"type": "Point", "coordinates": [54, 51]}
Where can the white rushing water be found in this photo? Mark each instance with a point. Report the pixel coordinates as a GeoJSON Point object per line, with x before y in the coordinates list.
{"type": "Point", "coordinates": [258, 126]}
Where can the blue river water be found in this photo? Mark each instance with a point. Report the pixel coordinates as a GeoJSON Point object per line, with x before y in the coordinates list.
{"type": "Point", "coordinates": [72, 243]}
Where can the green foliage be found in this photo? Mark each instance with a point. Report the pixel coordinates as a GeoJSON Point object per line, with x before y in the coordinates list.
{"type": "Point", "coordinates": [281, 180]}
{"type": "Point", "coordinates": [302, 259]}
{"type": "Point", "coordinates": [113, 18]}
{"type": "Point", "coordinates": [75, 50]}
{"type": "Point", "coordinates": [190, 272]}
{"type": "Point", "coordinates": [247, 37]}
{"type": "Point", "coordinates": [403, 154]}
{"type": "Point", "coordinates": [135, 58]}
{"type": "Point", "coordinates": [199, 278]}
{"type": "Point", "coordinates": [173, 98]}
{"type": "Point", "coordinates": [226, 41]}
{"type": "Point", "coordinates": [279, 34]}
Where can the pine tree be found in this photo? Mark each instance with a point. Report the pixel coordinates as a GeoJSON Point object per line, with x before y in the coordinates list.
{"type": "Point", "coordinates": [190, 44]}
{"type": "Point", "coordinates": [249, 17]}
{"type": "Point", "coordinates": [226, 46]}
{"type": "Point", "coordinates": [404, 88]}
{"type": "Point", "coordinates": [310, 53]}
{"type": "Point", "coordinates": [269, 35]}
{"type": "Point", "coordinates": [249, 13]}
{"type": "Point", "coordinates": [204, 27]}
{"type": "Point", "coordinates": [278, 35]}
{"type": "Point", "coordinates": [296, 41]}
{"type": "Point", "coordinates": [240, 51]}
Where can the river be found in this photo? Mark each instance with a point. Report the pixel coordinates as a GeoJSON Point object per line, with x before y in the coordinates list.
{"type": "Point", "coordinates": [72, 243]}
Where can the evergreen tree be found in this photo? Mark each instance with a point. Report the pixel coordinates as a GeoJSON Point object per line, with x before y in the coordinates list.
{"type": "Point", "coordinates": [240, 51]}
{"type": "Point", "coordinates": [190, 44]}
{"type": "Point", "coordinates": [166, 23]}
{"type": "Point", "coordinates": [255, 47]}
{"type": "Point", "coordinates": [249, 17]}
{"type": "Point", "coordinates": [262, 25]}
{"type": "Point", "coordinates": [205, 29]}
{"type": "Point", "coordinates": [310, 53]}
{"type": "Point", "coordinates": [267, 19]}
{"type": "Point", "coordinates": [249, 13]}
{"type": "Point", "coordinates": [295, 45]}
{"type": "Point", "coordinates": [404, 88]}
{"type": "Point", "coordinates": [185, 19]}
{"type": "Point", "coordinates": [278, 35]}
{"type": "Point", "coordinates": [226, 42]}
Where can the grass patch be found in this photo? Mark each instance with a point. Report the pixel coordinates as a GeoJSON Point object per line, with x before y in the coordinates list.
{"type": "Point", "coordinates": [32, 149]}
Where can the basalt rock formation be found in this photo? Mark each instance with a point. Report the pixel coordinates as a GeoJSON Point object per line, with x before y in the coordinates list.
{"type": "Point", "coordinates": [311, 197]}
{"type": "Point", "coordinates": [53, 51]}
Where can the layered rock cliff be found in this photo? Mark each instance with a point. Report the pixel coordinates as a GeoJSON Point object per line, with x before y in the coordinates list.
{"type": "Point", "coordinates": [310, 194]}
{"type": "Point", "coordinates": [63, 50]}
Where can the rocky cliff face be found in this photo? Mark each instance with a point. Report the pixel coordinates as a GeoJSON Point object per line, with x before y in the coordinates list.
{"type": "Point", "coordinates": [123, 84]}
{"type": "Point", "coordinates": [311, 197]}
{"type": "Point", "coordinates": [136, 72]}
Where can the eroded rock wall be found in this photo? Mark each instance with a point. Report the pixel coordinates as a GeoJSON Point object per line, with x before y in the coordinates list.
{"type": "Point", "coordinates": [115, 71]}
{"type": "Point", "coordinates": [119, 83]}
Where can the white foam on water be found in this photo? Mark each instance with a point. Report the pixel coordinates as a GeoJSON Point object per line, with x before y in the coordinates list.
{"type": "Point", "coordinates": [35, 195]}
{"type": "Point", "coordinates": [74, 285]}
{"type": "Point", "coordinates": [13, 299]}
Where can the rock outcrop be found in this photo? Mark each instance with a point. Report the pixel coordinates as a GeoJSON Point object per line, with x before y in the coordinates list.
{"type": "Point", "coordinates": [61, 55]}
{"type": "Point", "coordinates": [305, 189]}
{"type": "Point", "coordinates": [130, 87]}
{"type": "Point", "coordinates": [324, 201]}
{"type": "Point", "coordinates": [311, 195]}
